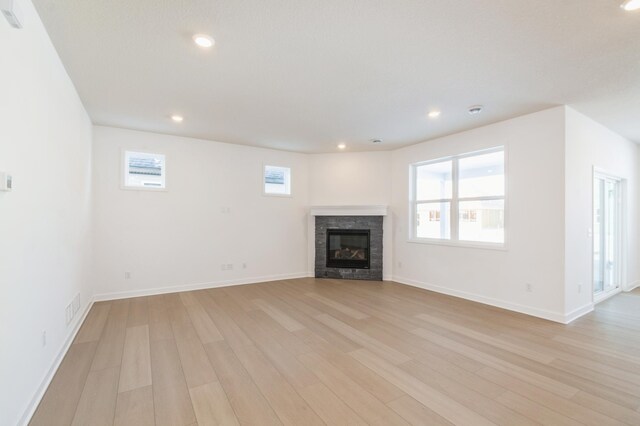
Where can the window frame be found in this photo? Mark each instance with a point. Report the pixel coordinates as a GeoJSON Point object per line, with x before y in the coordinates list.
{"type": "Point", "coordinates": [124, 168]}
{"type": "Point", "coordinates": [454, 202]}
{"type": "Point", "coordinates": [263, 183]}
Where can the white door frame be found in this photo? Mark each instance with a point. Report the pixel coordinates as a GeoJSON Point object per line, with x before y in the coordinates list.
{"type": "Point", "coordinates": [603, 174]}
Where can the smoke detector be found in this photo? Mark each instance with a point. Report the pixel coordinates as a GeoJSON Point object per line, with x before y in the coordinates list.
{"type": "Point", "coordinates": [11, 12]}
{"type": "Point", "coordinates": [475, 109]}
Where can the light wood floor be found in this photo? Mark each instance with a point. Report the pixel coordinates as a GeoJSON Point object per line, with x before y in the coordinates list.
{"type": "Point", "coordinates": [305, 352]}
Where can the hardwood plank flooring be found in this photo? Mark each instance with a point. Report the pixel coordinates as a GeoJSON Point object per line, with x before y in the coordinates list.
{"type": "Point", "coordinates": [171, 400]}
{"type": "Point", "coordinates": [98, 400]}
{"type": "Point", "coordinates": [309, 351]}
{"type": "Point", "coordinates": [136, 359]}
{"type": "Point", "coordinates": [212, 406]}
{"type": "Point", "coordinates": [135, 408]}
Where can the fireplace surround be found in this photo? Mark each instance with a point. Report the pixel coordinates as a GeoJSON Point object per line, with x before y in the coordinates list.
{"type": "Point", "coordinates": [348, 247]}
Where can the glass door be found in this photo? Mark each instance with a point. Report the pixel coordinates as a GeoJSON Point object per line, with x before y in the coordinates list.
{"type": "Point", "coordinates": [606, 236]}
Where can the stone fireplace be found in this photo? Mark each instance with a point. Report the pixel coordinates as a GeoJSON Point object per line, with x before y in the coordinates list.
{"type": "Point", "coordinates": [349, 246]}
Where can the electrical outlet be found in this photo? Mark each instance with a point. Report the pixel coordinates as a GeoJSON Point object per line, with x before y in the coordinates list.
{"type": "Point", "coordinates": [127, 275]}
{"type": "Point", "coordinates": [579, 288]}
{"type": "Point", "coordinates": [399, 264]}
{"type": "Point", "coordinates": [229, 266]}
{"type": "Point", "coordinates": [529, 287]}
{"type": "Point", "coordinates": [44, 338]}
{"type": "Point", "coordinates": [244, 266]}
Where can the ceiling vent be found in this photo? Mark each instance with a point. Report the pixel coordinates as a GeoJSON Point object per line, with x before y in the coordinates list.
{"type": "Point", "coordinates": [11, 13]}
{"type": "Point", "coordinates": [476, 109]}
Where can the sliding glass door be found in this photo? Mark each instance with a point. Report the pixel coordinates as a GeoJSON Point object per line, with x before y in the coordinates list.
{"type": "Point", "coordinates": [606, 235]}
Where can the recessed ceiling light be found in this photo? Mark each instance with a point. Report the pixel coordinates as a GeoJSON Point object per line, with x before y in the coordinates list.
{"type": "Point", "coordinates": [434, 114]}
{"type": "Point", "coordinates": [342, 146]}
{"type": "Point", "coordinates": [203, 40]}
{"type": "Point", "coordinates": [475, 109]}
{"type": "Point", "coordinates": [631, 5]}
{"type": "Point", "coordinates": [177, 118]}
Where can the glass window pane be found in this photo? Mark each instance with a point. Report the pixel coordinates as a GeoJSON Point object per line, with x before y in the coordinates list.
{"type": "Point", "coordinates": [481, 221]}
{"type": "Point", "coordinates": [433, 181]}
{"type": "Point", "coordinates": [144, 170]}
{"type": "Point", "coordinates": [277, 180]}
{"type": "Point", "coordinates": [433, 220]}
{"type": "Point", "coordinates": [481, 175]}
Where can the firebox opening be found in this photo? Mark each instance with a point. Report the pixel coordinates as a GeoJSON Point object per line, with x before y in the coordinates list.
{"type": "Point", "coordinates": [348, 248]}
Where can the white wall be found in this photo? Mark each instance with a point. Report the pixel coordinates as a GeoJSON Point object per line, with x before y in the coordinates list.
{"type": "Point", "coordinates": [352, 179]}
{"type": "Point", "coordinates": [214, 213]}
{"type": "Point", "coordinates": [45, 143]}
{"type": "Point", "coordinates": [550, 157]}
{"type": "Point", "coordinates": [535, 220]}
{"type": "Point", "coordinates": [178, 239]}
{"type": "Point", "coordinates": [359, 178]}
{"type": "Point", "coordinates": [589, 145]}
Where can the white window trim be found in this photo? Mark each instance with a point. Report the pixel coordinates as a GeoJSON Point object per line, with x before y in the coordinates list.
{"type": "Point", "coordinates": [124, 186]}
{"type": "Point", "coordinates": [269, 194]}
{"type": "Point", "coordinates": [454, 203]}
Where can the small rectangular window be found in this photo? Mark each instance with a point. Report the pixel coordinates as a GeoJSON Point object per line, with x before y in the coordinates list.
{"type": "Point", "coordinates": [277, 180]}
{"type": "Point", "coordinates": [144, 170]}
{"type": "Point", "coordinates": [460, 198]}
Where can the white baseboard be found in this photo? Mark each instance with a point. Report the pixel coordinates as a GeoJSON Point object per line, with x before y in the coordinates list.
{"type": "Point", "coordinates": [632, 286]}
{"type": "Point", "coordinates": [197, 286]}
{"type": "Point", "coordinates": [528, 310]}
{"type": "Point", "coordinates": [46, 381]}
{"type": "Point", "coordinates": [577, 313]}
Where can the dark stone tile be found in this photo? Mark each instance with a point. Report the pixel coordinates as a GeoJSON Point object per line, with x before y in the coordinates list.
{"type": "Point", "coordinates": [373, 223]}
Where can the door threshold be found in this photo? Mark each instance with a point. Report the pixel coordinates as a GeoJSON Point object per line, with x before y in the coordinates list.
{"type": "Point", "coordinates": [601, 297]}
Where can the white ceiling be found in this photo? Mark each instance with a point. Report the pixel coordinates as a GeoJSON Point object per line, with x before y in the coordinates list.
{"type": "Point", "coordinates": [304, 75]}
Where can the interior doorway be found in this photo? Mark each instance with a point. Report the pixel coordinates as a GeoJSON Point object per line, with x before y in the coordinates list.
{"type": "Point", "coordinates": [607, 236]}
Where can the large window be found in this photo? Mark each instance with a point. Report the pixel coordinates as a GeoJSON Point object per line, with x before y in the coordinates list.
{"type": "Point", "coordinates": [144, 170]}
{"type": "Point", "coordinates": [460, 198]}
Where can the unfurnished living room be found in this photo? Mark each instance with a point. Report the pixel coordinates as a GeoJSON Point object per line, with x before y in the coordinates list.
{"type": "Point", "coordinates": [339, 212]}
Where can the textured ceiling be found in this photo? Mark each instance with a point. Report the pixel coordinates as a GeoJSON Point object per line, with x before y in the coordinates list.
{"type": "Point", "coordinates": [304, 75]}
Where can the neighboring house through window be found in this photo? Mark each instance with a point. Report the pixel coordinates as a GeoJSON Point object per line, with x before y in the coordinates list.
{"type": "Point", "coordinates": [144, 170]}
{"type": "Point", "coordinates": [276, 180]}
